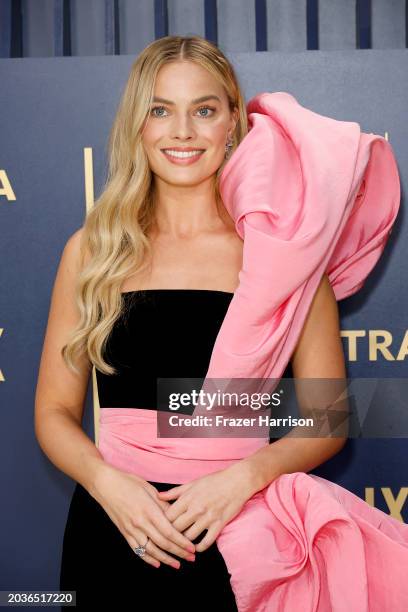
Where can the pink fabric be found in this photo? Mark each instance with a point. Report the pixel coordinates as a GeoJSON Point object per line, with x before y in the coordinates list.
{"type": "Point", "coordinates": [308, 194]}
{"type": "Point", "coordinates": [305, 543]}
{"type": "Point", "coordinates": [128, 439]}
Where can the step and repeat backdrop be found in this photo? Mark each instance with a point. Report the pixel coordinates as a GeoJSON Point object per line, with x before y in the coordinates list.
{"type": "Point", "coordinates": [55, 117]}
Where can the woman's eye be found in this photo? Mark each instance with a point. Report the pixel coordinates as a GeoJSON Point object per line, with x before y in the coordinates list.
{"type": "Point", "coordinates": [206, 108]}
{"type": "Point", "coordinates": [202, 108]}
{"type": "Point", "coordinates": [157, 108]}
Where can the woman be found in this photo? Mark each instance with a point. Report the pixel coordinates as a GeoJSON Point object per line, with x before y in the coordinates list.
{"type": "Point", "coordinates": [141, 292]}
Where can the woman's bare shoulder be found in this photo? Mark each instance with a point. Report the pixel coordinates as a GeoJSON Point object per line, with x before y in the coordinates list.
{"type": "Point", "coordinates": [73, 249]}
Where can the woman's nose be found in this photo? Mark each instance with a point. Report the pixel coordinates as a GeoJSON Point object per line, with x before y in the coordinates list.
{"type": "Point", "coordinates": [182, 127]}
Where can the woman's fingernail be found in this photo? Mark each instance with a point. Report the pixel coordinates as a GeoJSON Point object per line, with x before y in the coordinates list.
{"type": "Point", "coordinates": [190, 558]}
{"type": "Point", "coordinates": [190, 548]}
{"type": "Point", "coordinates": [176, 564]}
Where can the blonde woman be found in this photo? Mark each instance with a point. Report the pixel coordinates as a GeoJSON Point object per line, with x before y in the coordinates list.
{"type": "Point", "coordinates": [158, 226]}
{"type": "Point", "coordinates": [141, 292]}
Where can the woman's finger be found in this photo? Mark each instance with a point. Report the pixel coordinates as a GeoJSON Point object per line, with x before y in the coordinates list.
{"type": "Point", "coordinates": [161, 555]}
{"type": "Point", "coordinates": [165, 544]}
{"type": "Point", "coordinates": [147, 557]}
{"type": "Point", "coordinates": [153, 550]}
{"type": "Point", "coordinates": [209, 538]}
{"type": "Point", "coordinates": [184, 521]}
{"type": "Point", "coordinates": [168, 531]}
{"type": "Point", "coordinates": [196, 529]}
{"type": "Point", "coordinates": [172, 493]}
{"type": "Point", "coordinates": [176, 508]}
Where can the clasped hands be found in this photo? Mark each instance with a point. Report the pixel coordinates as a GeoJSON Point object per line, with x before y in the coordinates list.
{"type": "Point", "coordinates": [208, 503]}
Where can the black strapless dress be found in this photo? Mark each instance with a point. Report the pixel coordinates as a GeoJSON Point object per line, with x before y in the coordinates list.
{"type": "Point", "coordinates": [162, 333]}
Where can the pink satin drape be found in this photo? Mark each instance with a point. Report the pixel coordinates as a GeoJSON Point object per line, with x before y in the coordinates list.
{"type": "Point", "coordinates": [309, 194]}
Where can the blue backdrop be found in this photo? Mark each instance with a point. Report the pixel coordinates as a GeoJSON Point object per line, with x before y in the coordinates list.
{"type": "Point", "coordinates": [54, 122]}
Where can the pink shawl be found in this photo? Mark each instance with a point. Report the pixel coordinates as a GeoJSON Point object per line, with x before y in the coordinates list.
{"type": "Point", "coordinates": [309, 194]}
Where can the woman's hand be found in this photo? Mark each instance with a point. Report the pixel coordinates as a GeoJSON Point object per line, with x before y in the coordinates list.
{"type": "Point", "coordinates": [132, 504]}
{"type": "Point", "coordinates": [208, 503]}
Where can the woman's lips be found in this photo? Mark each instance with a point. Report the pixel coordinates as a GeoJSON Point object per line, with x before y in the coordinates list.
{"type": "Point", "coordinates": [183, 161]}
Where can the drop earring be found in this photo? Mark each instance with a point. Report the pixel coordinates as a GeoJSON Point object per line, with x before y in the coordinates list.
{"type": "Point", "coordinates": [228, 146]}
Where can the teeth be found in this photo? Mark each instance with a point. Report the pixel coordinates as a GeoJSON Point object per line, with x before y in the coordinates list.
{"type": "Point", "coordinates": [181, 153]}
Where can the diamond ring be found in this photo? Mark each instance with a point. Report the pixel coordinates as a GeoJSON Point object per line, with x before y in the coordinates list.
{"type": "Point", "coordinates": [140, 550]}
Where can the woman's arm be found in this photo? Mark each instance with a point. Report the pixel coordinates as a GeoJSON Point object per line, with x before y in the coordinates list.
{"type": "Point", "coordinates": [318, 354]}
{"type": "Point", "coordinates": [60, 394]}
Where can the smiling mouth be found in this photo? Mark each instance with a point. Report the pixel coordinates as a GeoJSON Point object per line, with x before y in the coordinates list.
{"type": "Point", "coordinates": [183, 158]}
{"type": "Point", "coordinates": [180, 154]}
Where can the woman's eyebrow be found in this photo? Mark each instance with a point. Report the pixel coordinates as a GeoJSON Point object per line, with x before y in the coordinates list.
{"type": "Point", "coordinates": [196, 101]}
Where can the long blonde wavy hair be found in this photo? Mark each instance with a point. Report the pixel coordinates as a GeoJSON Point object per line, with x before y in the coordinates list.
{"type": "Point", "coordinates": [114, 240]}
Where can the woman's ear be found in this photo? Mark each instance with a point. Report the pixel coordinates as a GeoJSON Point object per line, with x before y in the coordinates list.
{"type": "Point", "coordinates": [234, 119]}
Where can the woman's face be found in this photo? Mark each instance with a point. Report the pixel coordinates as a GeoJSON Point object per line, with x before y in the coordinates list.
{"type": "Point", "coordinates": [190, 114]}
